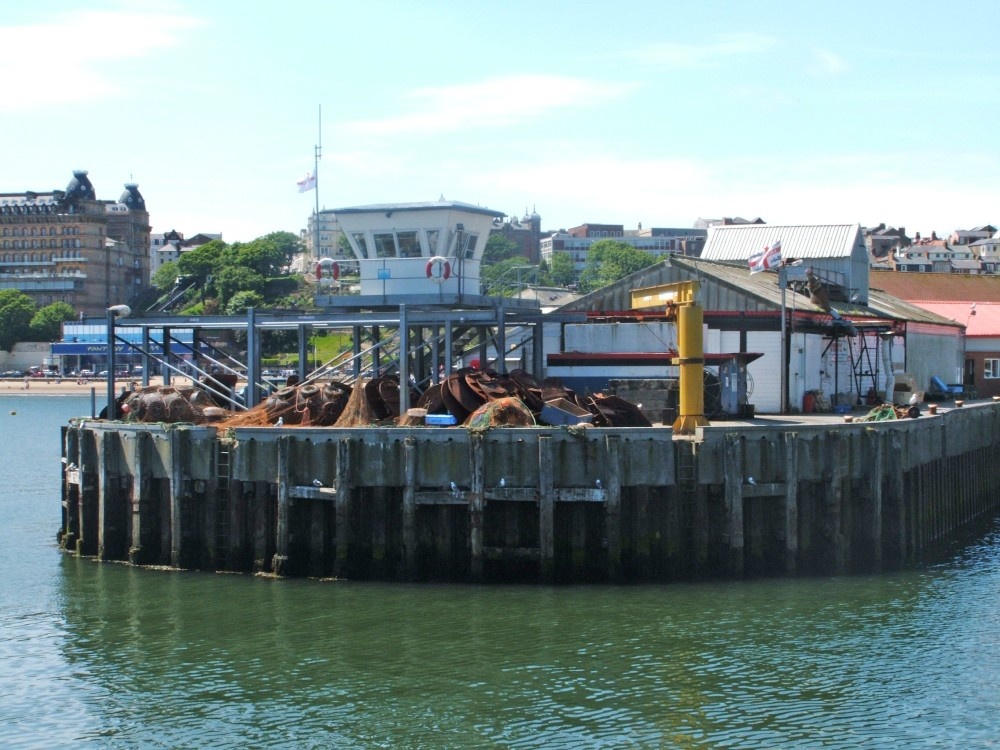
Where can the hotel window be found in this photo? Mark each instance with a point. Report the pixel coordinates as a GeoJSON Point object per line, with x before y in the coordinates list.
{"type": "Point", "coordinates": [991, 369]}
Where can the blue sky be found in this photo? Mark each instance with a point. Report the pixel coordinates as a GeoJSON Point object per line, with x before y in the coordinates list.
{"type": "Point", "coordinates": [657, 112]}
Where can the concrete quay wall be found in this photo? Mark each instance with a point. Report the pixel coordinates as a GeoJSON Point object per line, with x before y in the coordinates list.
{"type": "Point", "coordinates": [769, 497]}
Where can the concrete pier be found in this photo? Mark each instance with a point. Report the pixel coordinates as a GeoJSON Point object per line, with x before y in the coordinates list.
{"type": "Point", "coordinates": [762, 497]}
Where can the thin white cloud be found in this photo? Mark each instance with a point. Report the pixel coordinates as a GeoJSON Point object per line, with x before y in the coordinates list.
{"type": "Point", "coordinates": [675, 192]}
{"type": "Point", "coordinates": [494, 102]}
{"type": "Point", "coordinates": [676, 56]}
{"type": "Point", "coordinates": [63, 60]}
{"type": "Point", "coordinates": [829, 63]}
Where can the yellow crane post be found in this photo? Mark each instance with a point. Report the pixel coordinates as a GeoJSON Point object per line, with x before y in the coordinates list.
{"type": "Point", "coordinates": [681, 305]}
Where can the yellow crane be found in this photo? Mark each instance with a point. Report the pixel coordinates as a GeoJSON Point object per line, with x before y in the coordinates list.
{"type": "Point", "coordinates": [681, 305]}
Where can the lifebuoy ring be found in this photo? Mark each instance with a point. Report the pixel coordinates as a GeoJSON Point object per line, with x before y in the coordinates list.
{"type": "Point", "coordinates": [334, 270]}
{"type": "Point", "coordinates": [438, 269]}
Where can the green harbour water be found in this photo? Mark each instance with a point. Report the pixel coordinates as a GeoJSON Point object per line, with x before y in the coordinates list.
{"type": "Point", "coordinates": [108, 656]}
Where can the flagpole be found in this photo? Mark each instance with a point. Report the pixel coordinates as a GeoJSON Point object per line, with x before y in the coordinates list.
{"type": "Point", "coordinates": [317, 152]}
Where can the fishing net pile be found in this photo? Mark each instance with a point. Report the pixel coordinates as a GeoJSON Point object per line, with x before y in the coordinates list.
{"type": "Point", "coordinates": [890, 411]}
{"type": "Point", "coordinates": [466, 391]}
{"type": "Point", "coordinates": [475, 398]}
{"type": "Point", "coordinates": [170, 404]}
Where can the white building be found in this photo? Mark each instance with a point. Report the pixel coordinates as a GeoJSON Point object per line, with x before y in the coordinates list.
{"type": "Point", "coordinates": [429, 250]}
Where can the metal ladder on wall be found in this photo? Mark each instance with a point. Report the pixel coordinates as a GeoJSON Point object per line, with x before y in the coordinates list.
{"type": "Point", "coordinates": [687, 477]}
{"type": "Point", "coordinates": [223, 471]}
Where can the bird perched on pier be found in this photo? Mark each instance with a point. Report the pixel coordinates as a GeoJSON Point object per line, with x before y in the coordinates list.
{"type": "Point", "coordinates": [280, 422]}
{"type": "Point", "coordinates": [317, 483]}
{"type": "Point", "coordinates": [598, 484]}
{"type": "Point", "coordinates": [503, 482]}
{"type": "Point", "coordinates": [751, 480]}
{"type": "Point", "coordinates": [454, 488]}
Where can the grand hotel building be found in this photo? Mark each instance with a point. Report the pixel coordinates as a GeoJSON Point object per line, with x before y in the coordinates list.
{"type": "Point", "coordinates": [68, 246]}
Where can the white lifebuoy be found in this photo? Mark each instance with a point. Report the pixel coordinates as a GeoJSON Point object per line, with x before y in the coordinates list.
{"type": "Point", "coordinates": [438, 269]}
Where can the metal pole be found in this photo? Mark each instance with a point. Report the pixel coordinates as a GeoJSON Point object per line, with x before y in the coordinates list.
{"type": "Point", "coordinates": [111, 363]}
{"type": "Point", "coordinates": [317, 152]}
{"type": "Point", "coordinates": [783, 282]}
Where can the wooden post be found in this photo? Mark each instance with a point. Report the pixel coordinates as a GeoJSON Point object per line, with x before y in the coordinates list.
{"type": "Point", "coordinates": [840, 474]}
{"type": "Point", "coordinates": [613, 508]}
{"type": "Point", "coordinates": [546, 510]}
{"type": "Point", "coordinates": [875, 479]}
{"type": "Point", "coordinates": [791, 502]}
{"type": "Point", "coordinates": [894, 494]}
{"type": "Point", "coordinates": [71, 489]}
{"type": "Point", "coordinates": [140, 488]}
{"type": "Point", "coordinates": [176, 496]}
{"type": "Point", "coordinates": [734, 501]}
{"type": "Point", "coordinates": [477, 504]}
{"type": "Point", "coordinates": [261, 525]}
{"type": "Point", "coordinates": [410, 508]}
{"type": "Point", "coordinates": [342, 506]}
{"type": "Point", "coordinates": [279, 562]}
{"type": "Point", "coordinates": [106, 493]}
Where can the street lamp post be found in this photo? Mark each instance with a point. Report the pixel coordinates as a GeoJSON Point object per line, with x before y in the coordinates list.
{"type": "Point", "coordinates": [114, 312]}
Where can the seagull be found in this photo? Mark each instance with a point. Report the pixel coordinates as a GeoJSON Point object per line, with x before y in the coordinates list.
{"type": "Point", "coordinates": [280, 422]}
{"type": "Point", "coordinates": [71, 467]}
{"type": "Point", "coordinates": [454, 487]}
{"type": "Point", "coordinates": [503, 482]}
{"type": "Point", "coordinates": [751, 480]}
{"type": "Point", "coordinates": [317, 483]}
{"type": "Point", "coordinates": [598, 483]}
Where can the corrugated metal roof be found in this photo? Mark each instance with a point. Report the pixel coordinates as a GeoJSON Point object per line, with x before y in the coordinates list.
{"type": "Point", "coordinates": [943, 287]}
{"type": "Point", "coordinates": [731, 244]}
{"type": "Point", "coordinates": [761, 287]}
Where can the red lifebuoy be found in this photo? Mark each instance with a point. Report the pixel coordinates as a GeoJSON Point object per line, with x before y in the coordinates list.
{"type": "Point", "coordinates": [438, 269]}
{"type": "Point", "coordinates": [334, 270]}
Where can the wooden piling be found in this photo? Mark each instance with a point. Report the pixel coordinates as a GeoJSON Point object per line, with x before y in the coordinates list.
{"type": "Point", "coordinates": [546, 510]}
{"type": "Point", "coordinates": [594, 504]}
{"type": "Point", "coordinates": [734, 502]}
{"type": "Point", "coordinates": [279, 562]}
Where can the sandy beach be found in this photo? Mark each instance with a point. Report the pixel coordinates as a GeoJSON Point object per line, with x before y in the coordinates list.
{"type": "Point", "coordinates": [67, 386]}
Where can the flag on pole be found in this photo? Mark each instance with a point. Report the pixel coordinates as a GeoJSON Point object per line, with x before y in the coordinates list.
{"type": "Point", "coordinates": [307, 183]}
{"type": "Point", "coordinates": [767, 259]}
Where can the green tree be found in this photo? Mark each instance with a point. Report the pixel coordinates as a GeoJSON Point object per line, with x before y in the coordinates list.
{"type": "Point", "coordinates": [501, 279]}
{"type": "Point", "coordinates": [229, 280]}
{"type": "Point", "coordinates": [16, 312]}
{"type": "Point", "coordinates": [204, 261]}
{"type": "Point", "coordinates": [562, 272]}
{"type": "Point", "coordinates": [243, 300]}
{"type": "Point", "coordinates": [610, 260]}
{"type": "Point", "coordinates": [46, 325]}
{"type": "Point", "coordinates": [499, 248]}
{"type": "Point", "coordinates": [287, 243]}
{"type": "Point", "coordinates": [165, 276]}
{"type": "Point", "coordinates": [262, 255]}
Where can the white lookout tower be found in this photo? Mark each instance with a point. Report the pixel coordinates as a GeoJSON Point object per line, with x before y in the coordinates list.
{"type": "Point", "coordinates": [418, 250]}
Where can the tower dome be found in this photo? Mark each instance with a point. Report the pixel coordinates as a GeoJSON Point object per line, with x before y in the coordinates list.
{"type": "Point", "coordinates": [132, 197]}
{"type": "Point", "coordinates": [79, 187]}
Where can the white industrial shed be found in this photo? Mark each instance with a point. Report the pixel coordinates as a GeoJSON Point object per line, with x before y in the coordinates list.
{"type": "Point", "coordinates": [853, 345]}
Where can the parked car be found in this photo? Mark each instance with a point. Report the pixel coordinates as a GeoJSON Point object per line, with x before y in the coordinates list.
{"type": "Point", "coordinates": [85, 373]}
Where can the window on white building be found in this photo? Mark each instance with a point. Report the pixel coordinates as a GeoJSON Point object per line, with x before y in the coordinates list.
{"type": "Point", "coordinates": [991, 369]}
